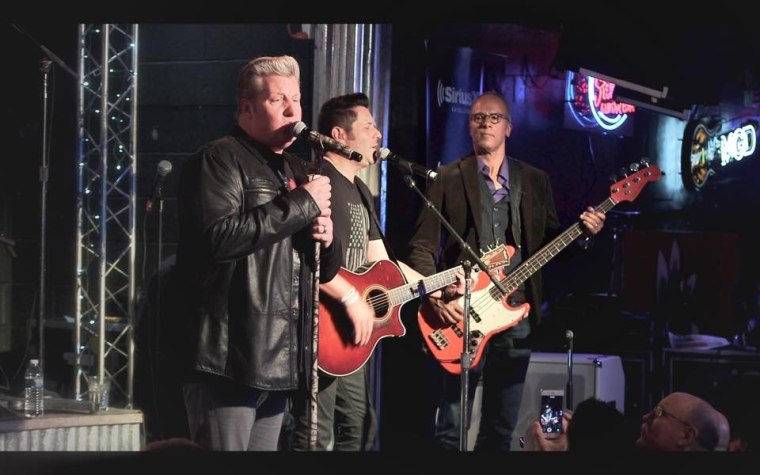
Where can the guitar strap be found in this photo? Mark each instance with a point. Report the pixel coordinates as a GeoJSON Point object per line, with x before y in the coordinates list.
{"type": "Point", "coordinates": [365, 200]}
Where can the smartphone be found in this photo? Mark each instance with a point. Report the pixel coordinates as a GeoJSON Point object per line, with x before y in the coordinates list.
{"type": "Point", "coordinates": [550, 412]}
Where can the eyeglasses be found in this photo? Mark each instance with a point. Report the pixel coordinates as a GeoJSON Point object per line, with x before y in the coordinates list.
{"type": "Point", "coordinates": [494, 118]}
{"type": "Point", "coordinates": [659, 412]}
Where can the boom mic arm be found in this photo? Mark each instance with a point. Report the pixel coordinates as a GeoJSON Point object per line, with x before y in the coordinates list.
{"type": "Point", "coordinates": [385, 154]}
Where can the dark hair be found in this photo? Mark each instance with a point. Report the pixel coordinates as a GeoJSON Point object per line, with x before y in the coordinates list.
{"type": "Point", "coordinates": [339, 112]}
{"type": "Point", "coordinates": [597, 426]}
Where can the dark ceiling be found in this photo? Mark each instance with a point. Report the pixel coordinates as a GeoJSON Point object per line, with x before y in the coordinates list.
{"type": "Point", "coordinates": [699, 62]}
{"type": "Point", "coordinates": [697, 59]}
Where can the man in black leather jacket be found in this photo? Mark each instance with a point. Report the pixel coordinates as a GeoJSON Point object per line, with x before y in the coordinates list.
{"type": "Point", "coordinates": [249, 218]}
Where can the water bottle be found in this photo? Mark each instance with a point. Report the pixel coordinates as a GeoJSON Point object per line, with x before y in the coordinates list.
{"type": "Point", "coordinates": [34, 389]}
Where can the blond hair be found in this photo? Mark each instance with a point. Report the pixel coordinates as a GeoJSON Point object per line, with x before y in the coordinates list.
{"type": "Point", "coordinates": [252, 75]}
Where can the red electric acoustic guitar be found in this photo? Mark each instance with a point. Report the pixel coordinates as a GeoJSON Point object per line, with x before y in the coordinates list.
{"type": "Point", "coordinates": [382, 285]}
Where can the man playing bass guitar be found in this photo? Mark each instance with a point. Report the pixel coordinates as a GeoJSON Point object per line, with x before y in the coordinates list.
{"type": "Point", "coordinates": [489, 197]}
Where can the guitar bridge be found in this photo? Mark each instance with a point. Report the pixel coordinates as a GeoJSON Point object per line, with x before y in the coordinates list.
{"type": "Point", "coordinates": [439, 339]}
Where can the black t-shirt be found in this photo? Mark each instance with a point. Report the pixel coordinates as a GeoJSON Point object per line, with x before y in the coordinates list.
{"type": "Point", "coordinates": [351, 219]}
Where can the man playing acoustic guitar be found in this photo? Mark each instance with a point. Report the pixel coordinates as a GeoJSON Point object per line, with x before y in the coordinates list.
{"type": "Point", "coordinates": [346, 418]}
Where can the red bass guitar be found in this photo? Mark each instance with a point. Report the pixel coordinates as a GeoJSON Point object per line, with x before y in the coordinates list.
{"type": "Point", "coordinates": [489, 311]}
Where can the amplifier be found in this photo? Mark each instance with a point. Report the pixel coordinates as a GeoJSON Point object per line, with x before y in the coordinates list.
{"type": "Point", "coordinates": [599, 376]}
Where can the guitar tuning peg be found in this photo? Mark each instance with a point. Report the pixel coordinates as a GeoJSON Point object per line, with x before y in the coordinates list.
{"type": "Point", "coordinates": [644, 162]}
{"type": "Point", "coordinates": [634, 167]}
{"type": "Point", "coordinates": [613, 178]}
{"type": "Point", "coordinates": [623, 172]}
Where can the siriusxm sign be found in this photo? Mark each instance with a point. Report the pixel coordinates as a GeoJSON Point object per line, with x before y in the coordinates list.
{"type": "Point", "coordinates": [455, 95]}
{"type": "Point", "coordinates": [455, 77]}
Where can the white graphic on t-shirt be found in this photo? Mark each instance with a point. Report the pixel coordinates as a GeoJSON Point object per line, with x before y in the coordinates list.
{"type": "Point", "coordinates": [356, 248]}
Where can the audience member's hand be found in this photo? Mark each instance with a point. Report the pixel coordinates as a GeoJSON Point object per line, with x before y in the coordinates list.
{"type": "Point", "coordinates": [320, 189]}
{"type": "Point", "coordinates": [536, 440]}
{"type": "Point", "coordinates": [363, 319]}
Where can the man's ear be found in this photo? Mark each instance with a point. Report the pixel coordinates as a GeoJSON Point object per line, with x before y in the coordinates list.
{"type": "Point", "coordinates": [338, 133]}
{"type": "Point", "coordinates": [246, 108]}
{"type": "Point", "coordinates": [690, 435]}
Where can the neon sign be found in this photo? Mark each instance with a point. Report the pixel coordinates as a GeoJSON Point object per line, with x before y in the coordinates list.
{"type": "Point", "coordinates": [591, 104]}
{"type": "Point", "coordinates": [706, 149]}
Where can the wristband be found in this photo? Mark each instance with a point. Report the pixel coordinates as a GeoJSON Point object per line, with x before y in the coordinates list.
{"type": "Point", "coordinates": [351, 297]}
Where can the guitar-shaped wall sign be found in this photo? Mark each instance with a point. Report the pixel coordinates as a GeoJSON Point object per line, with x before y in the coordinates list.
{"type": "Point", "coordinates": [382, 285]}
{"type": "Point", "coordinates": [707, 149]}
{"type": "Point", "coordinates": [489, 311]}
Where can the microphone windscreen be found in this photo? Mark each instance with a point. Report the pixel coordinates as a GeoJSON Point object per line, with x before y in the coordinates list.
{"type": "Point", "coordinates": [164, 167]}
{"type": "Point", "coordinates": [298, 127]}
{"type": "Point", "coordinates": [569, 334]}
{"type": "Point", "coordinates": [381, 154]}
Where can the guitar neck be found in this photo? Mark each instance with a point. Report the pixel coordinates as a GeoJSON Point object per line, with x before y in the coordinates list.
{"type": "Point", "coordinates": [405, 293]}
{"type": "Point", "coordinates": [531, 265]}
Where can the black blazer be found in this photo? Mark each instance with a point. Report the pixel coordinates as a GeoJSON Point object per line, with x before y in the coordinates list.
{"type": "Point", "coordinates": [456, 194]}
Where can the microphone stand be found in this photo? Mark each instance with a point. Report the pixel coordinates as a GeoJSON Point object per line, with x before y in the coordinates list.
{"type": "Point", "coordinates": [465, 360]}
{"type": "Point", "coordinates": [44, 173]}
{"type": "Point", "coordinates": [155, 342]}
{"type": "Point", "coordinates": [45, 68]}
{"type": "Point", "coordinates": [159, 259]}
{"type": "Point", "coordinates": [466, 352]}
{"type": "Point", "coordinates": [569, 388]}
{"type": "Point", "coordinates": [314, 388]}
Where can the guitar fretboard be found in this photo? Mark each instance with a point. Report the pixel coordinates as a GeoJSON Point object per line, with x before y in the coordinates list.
{"type": "Point", "coordinates": [405, 293]}
{"type": "Point", "coordinates": [544, 255]}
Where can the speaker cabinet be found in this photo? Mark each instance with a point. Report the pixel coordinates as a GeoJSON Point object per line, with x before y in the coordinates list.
{"type": "Point", "coordinates": [723, 377]}
{"type": "Point", "coordinates": [599, 376]}
{"type": "Point", "coordinates": [640, 382]}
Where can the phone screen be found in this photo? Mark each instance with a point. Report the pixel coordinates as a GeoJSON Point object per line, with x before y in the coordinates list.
{"type": "Point", "coordinates": [550, 416]}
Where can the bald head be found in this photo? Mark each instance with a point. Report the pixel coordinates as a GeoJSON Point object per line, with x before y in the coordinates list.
{"type": "Point", "coordinates": [680, 422]}
{"type": "Point", "coordinates": [724, 432]}
{"type": "Point", "coordinates": [490, 125]}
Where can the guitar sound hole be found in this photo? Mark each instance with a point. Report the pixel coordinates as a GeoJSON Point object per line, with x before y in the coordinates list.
{"type": "Point", "coordinates": [378, 300]}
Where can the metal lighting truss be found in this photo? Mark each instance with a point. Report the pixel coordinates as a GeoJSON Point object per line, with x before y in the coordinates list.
{"type": "Point", "coordinates": [105, 253]}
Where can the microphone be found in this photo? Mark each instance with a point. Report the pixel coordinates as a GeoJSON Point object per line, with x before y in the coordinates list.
{"type": "Point", "coordinates": [569, 390]}
{"type": "Point", "coordinates": [324, 142]}
{"type": "Point", "coordinates": [9, 243]}
{"type": "Point", "coordinates": [385, 154]}
{"type": "Point", "coordinates": [164, 167]}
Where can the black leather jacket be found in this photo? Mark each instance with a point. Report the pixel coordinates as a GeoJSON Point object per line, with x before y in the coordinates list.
{"type": "Point", "coordinates": [244, 248]}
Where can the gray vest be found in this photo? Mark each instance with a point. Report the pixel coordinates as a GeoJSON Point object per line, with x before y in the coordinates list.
{"type": "Point", "coordinates": [496, 225]}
